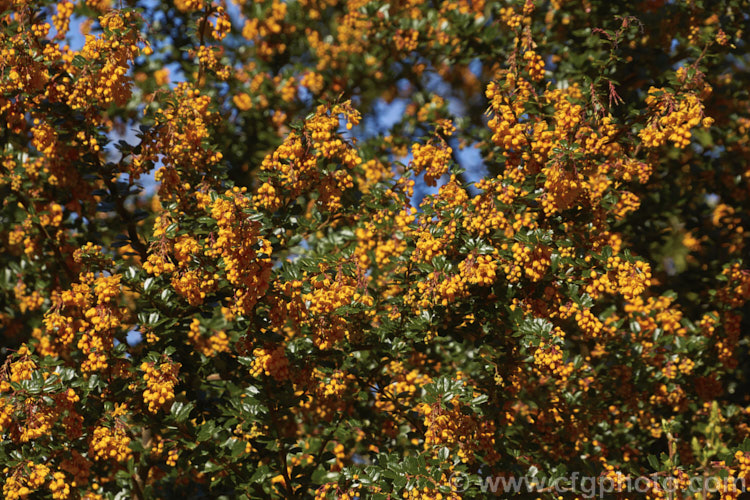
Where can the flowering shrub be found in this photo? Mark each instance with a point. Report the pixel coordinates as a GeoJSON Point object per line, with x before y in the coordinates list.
{"type": "Point", "coordinates": [350, 249]}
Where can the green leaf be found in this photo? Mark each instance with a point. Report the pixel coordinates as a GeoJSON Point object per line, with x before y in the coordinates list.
{"type": "Point", "coordinates": [181, 411]}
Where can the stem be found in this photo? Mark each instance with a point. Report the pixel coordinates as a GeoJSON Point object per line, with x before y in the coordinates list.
{"type": "Point", "coordinates": [282, 448]}
{"type": "Point", "coordinates": [137, 485]}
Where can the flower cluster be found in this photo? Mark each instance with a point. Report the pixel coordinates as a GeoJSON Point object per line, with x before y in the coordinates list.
{"type": "Point", "coordinates": [433, 160]}
{"type": "Point", "coordinates": [244, 253]}
{"type": "Point", "coordinates": [672, 121]}
{"type": "Point", "coordinates": [25, 479]}
{"type": "Point", "coordinates": [208, 345]}
{"type": "Point", "coordinates": [271, 362]}
{"type": "Point", "coordinates": [450, 426]}
{"type": "Point", "coordinates": [178, 141]}
{"type": "Point", "coordinates": [108, 444]}
{"type": "Point", "coordinates": [293, 166]}
{"type": "Point", "coordinates": [160, 382]}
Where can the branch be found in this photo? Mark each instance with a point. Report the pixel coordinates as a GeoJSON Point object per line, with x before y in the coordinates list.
{"type": "Point", "coordinates": [282, 451]}
{"type": "Point", "coordinates": [127, 218]}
